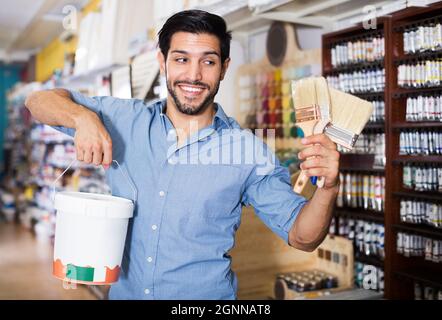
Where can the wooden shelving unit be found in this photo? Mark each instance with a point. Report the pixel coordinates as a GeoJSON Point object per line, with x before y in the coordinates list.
{"type": "Point", "coordinates": [372, 260]}
{"type": "Point", "coordinates": [416, 125]}
{"type": "Point", "coordinates": [421, 229]}
{"type": "Point", "coordinates": [360, 214]}
{"type": "Point", "coordinates": [430, 196]}
{"type": "Point", "coordinates": [400, 271]}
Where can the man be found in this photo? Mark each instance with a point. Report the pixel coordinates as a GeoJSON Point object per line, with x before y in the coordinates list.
{"type": "Point", "coordinates": [187, 211]}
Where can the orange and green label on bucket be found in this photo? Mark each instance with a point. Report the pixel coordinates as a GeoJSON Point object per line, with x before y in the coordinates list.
{"type": "Point", "coordinates": [89, 274]}
{"type": "Point", "coordinates": [79, 273]}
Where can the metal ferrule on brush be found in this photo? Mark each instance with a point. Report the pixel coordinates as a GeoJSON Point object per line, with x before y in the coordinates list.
{"type": "Point", "coordinates": [341, 136]}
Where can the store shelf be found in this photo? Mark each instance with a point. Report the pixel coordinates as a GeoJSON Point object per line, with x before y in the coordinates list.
{"type": "Point", "coordinates": [360, 214]}
{"type": "Point", "coordinates": [356, 34]}
{"type": "Point", "coordinates": [420, 229]}
{"type": "Point", "coordinates": [402, 26]}
{"type": "Point", "coordinates": [372, 260]}
{"type": "Point", "coordinates": [421, 56]}
{"type": "Point", "coordinates": [354, 67]}
{"type": "Point", "coordinates": [363, 170]}
{"type": "Point", "coordinates": [423, 276]}
{"type": "Point", "coordinates": [374, 125]}
{"type": "Point", "coordinates": [409, 92]}
{"type": "Point", "coordinates": [370, 95]}
{"type": "Point", "coordinates": [416, 124]}
{"type": "Point", "coordinates": [430, 196]}
{"type": "Point", "coordinates": [417, 158]}
{"type": "Point", "coordinates": [89, 77]}
{"type": "Point", "coordinates": [356, 162]}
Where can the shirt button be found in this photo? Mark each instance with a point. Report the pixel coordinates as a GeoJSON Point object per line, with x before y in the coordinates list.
{"type": "Point", "coordinates": [154, 227]}
{"type": "Point", "coordinates": [162, 193]}
{"type": "Point", "coordinates": [146, 291]}
{"type": "Point", "coordinates": [149, 259]}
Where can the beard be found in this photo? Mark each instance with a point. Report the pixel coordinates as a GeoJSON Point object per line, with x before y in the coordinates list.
{"type": "Point", "coordinates": [187, 108]}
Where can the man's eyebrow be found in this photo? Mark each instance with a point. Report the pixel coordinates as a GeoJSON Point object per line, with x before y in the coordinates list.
{"type": "Point", "coordinates": [205, 53]}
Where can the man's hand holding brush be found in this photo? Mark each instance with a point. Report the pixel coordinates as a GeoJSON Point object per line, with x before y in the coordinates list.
{"type": "Point", "coordinates": [320, 159]}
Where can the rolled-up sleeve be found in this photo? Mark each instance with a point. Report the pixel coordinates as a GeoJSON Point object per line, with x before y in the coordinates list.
{"type": "Point", "coordinates": [273, 199]}
{"type": "Point", "coordinates": [95, 104]}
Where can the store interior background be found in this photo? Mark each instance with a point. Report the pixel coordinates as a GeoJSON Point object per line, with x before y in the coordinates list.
{"type": "Point", "coordinates": [41, 44]}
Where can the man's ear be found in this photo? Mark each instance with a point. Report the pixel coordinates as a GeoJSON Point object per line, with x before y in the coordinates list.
{"type": "Point", "coordinates": [224, 69]}
{"type": "Point", "coordinates": [162, 62]}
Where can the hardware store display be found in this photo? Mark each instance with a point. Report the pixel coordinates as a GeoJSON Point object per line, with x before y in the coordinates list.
{"type": "Point", "coordinates": [408, 167]}
{"type": "Point", "coordinates": [412, 245]}
{"type": "Point", "coordinates": [361, 191]}
{"type": "Point", "coordinates": [369, 49]}
{"type": "Point", "coordinates": [422, 177]}
{"type": "Point", "coordinates": [421, 212]}
{"type": "Point", "coordinates": [368, 237]}
{"type": "Point", "coordinates": [424, 108]}
{"type": "Point", "coordinates": [420, 142]}
{"type": "Point", "coordinates": [385, 236]}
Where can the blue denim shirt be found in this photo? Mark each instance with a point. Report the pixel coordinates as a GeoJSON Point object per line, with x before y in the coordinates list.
{"type": "Point", "coordinates": [189, 198]}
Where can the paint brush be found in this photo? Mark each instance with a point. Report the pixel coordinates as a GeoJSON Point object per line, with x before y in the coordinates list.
{"type": "Point", "coordinates": [349, 116]}
{"type": "Point", "coordinates": [311, 103]}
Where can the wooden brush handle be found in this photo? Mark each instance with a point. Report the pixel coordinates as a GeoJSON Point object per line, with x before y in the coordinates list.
{"type": "Point", "coordinates": [320, 182]}
{"type": "Point", "coordinates": [301, 182]}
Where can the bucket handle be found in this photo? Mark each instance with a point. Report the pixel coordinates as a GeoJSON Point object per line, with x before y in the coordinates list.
{"type": "Point", "coordinates": [126, 176]}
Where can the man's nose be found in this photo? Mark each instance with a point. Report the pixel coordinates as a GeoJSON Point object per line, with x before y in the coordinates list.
{"type": "Point", "coordinates": [194, 73]}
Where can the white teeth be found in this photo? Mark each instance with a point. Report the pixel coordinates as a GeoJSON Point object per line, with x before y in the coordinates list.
{"type": "Point", "coordinates": [190, 89]}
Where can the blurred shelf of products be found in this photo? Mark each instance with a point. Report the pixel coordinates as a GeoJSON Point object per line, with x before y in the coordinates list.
{"type": "Point", "coordinates": [385, 238]}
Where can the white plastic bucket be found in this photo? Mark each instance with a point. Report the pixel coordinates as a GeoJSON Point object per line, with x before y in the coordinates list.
{"type": "Point", "coordinates": [90, 235]}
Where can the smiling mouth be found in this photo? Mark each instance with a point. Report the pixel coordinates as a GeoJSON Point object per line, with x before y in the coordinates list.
{"type": "Point", "coordinates": [191, 90]}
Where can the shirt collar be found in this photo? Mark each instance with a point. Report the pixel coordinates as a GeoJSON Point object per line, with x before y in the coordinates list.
{"type": "Point", "coordinates": [219, 114]}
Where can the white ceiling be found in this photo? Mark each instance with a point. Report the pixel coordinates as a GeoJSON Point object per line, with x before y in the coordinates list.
{"type": "Point", "coordinates": [28, 25]}
{"type": "Point", "coordinates": [13, 19]}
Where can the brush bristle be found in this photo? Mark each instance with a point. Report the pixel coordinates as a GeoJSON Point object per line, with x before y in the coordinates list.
{"type": "Point", "coordinates": [323, 97]}
{"type": "Point", "coordinates": [349, 112]}
{"type": "Point", "coordinates": [303, 93]}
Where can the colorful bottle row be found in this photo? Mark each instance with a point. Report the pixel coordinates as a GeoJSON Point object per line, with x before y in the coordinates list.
{"type": "Point", "coordinates": [422, 74]}
{"type": "Point", "coordinates": [366, 80]}
{"type": "Point", "coordinates": [413, 245]}
{"type": "Point", "coordinates": [308, 280]}
{"type": "Point", "coordinates": [362, 50]}
{"type": "Point", "coordinates": [361, 191]}
{"type": "Point", "coordinates": [421, 212]}
{"type": "Point", "coordinates": [368, 237]}
{"type": "Point", "coordinates": [423, 38]}
{"type": "Point", "coordinates": [378, 114]}
{"type": "Point", "coordinates": [418, 142]}
{"type": "Point", "coordinates": [424, 108]}
{"type": "Point", "coordinates": [422, 177]}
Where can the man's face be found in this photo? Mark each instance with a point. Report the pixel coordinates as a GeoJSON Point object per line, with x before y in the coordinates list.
{"type": "Point", "coordinates": [193, 70]}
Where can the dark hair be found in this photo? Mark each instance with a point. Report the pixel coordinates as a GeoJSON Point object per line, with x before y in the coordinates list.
{"type": "Point", "coordinates": [195, 21]}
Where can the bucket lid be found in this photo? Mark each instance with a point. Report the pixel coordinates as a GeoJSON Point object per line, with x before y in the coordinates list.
{"type": "Point", "coordinates": [93, 205]}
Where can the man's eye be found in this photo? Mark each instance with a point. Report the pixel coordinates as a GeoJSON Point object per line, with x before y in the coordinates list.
{"type": "Point", "coordinates": [209, 62]}
{"type": "Point", "coordinates": [181, 60]}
